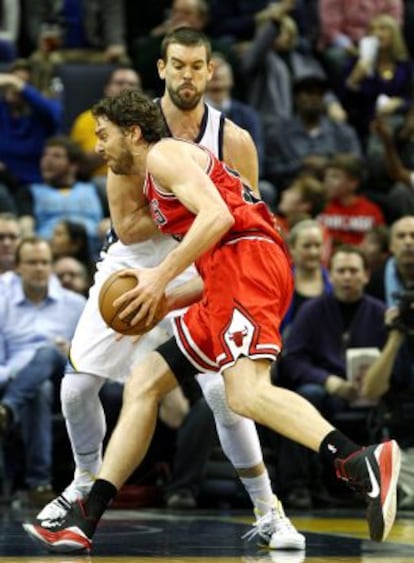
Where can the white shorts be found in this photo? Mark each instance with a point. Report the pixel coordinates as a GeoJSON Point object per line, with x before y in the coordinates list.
{"type": "Point", "coordinates": [94, 349]}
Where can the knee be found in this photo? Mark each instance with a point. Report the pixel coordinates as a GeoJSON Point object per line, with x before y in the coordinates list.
{"type": "Point", "coordinates": [73, 398]}
{"type": "Point", "coordinates": [51, 357]}
{"type": "Point", "coordinates": [215, 395]}
{"type": "Point", "coordinates": [239, 401]}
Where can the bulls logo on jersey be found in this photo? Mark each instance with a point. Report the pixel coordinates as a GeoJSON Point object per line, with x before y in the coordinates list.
{"type": "Point", "coordinates": [156, 213]}
{"type": "Point", "coordinates": [239, 334]}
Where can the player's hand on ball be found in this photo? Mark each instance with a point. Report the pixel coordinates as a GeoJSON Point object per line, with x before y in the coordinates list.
{"type": "Point", "coordinates": [145, 304]}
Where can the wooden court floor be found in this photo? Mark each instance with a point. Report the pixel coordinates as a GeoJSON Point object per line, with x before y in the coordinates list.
{"type": "Point", "coordinates": [160, 536]}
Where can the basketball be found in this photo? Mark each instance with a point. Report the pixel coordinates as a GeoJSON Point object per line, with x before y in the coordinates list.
{"type": "Point", "coordinates": [114, 287]}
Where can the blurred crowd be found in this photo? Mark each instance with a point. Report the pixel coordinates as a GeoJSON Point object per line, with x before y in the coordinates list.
{"type": "Point", "coordinates": [325, 89]}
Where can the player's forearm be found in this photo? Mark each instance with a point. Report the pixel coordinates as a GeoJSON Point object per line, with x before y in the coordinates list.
{"type": "Point", "coordinates": [377, 377]}
{"type": "Point", "coordinates": [185, 294]}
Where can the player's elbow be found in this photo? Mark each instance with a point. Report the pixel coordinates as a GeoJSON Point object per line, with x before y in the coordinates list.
{"type": "Point", "coordinates": [224, 221]}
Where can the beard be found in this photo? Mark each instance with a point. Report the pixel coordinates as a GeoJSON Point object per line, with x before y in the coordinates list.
{"type": "Point", "coordinates": [124, 164]}
{"type": "Point", "coordinates": [182, 102]}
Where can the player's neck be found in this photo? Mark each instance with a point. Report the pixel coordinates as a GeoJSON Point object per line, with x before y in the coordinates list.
{"type": "Point", "coordinates": [182, 124]}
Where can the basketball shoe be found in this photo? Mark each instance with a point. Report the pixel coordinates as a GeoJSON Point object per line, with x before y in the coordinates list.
{"type": "Point", "coordinates": [373, 471]}
{"type": "Point", "coordinates": [57, 509]}
{"type": "Point", "coordinates": [73, 533]}
{"type": "Point", "coordinates": [275, 529]}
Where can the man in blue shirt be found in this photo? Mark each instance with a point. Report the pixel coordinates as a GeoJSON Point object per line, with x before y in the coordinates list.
{"type": "Point", "coordinates": [38, 320]}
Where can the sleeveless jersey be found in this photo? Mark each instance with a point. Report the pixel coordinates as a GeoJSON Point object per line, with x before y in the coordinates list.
{"type": "Point", "coordinates": [211, 136]}
{"type": "Point", "coordinates": [252, 217]}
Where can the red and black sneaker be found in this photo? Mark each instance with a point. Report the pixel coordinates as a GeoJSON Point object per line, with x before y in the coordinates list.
{"type": "Point", "coordinates": [73, 533]}
{"type": "Point", "coordinates": [373, 471]}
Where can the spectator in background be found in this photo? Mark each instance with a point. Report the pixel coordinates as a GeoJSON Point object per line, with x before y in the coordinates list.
{"type": "Point", "coordinates": [61, 196]}
{"type": "Point", "coordinates": [38, 322]}
{"type": "Point", "coordinates": [27, 119]}
{"type": "Point", "coordinates": [310, 276]}
{"type": "Point", "coordinates": [273, 62]}
{"type": "Point", "coordinates": [307, 140]}
{"type": "Point", "coordinates": [9, 28]}
{"type": "Point", "coordinates": [83, 129]}
{"type": "Point", "coordinates": [380, 77]}
{"type": "Point", "coordinates": [343, 23]}
{"type": "Point", "coordinates": [375, 246]}
{"type": "Point", "coordinates": [400, 199]}
{"type": "Point", "coordinates": [68, 31]}
{"type": "Point", "coordinates": [71, 239]}
{"type": "Point", "coordinates": [347, 215]}
{"type": "Point", "coordinates": [313, 363]}
{"type": "Point", "coordinates": [72, 274]}
{"type": "Point", "coordinates": [397, 273]}
{"type": "Point", "coordinates": [9, 239]}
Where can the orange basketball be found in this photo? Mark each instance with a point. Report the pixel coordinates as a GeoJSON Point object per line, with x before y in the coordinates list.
{"type": "Point", "coordinates": [114, 287]}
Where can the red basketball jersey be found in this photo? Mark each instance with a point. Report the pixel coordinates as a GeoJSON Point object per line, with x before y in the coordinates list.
{"type": "Point", "coordinates": [252, 217]}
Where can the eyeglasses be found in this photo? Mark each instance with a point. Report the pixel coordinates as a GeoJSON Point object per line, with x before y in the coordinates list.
{"type": "Point", "coordinates": [10, 236]}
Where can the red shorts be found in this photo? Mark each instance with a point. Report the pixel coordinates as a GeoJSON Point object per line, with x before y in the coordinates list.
{"type": "Point", "coordinates": [248, 287]}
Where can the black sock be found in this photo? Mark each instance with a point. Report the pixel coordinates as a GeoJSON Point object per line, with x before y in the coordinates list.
{"type": "Point", "coordinates": [336, 445]}
{"type": "Point", "coordinates": [101, 495]}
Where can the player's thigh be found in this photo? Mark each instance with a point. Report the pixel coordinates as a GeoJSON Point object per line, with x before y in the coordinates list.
{"type": "Point", "coordinates": [245, 382]}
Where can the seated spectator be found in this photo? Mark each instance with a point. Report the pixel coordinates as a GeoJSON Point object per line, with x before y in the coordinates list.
{"type": "Point", "coordinates": [9, 239]}
{"type": "Point", "coordinates": [397, 273]}
{"type": "Point", "coordinates": [307, 140]}
{"type": "Point", "coordinates": [314, 365]}
{"type": "Point", "coordinates": [83, 129]}
{"type": "Point", "coordinates": [71, 239]}
{"type": "Point", "coordinates": [60, 196]}
{"type": "Point", "coordinates": [310, 276]}
{"type": "Point", "coordinates": [375, 246]}
{"type": "Point", "coordinates": [9, 29]}
{"type": "Point", "coordinates": [273, 62]}
{"type": "Point", "coordinates": [343, 24]}
{"type": "Point", "coordinates": [72, 274]}
{"type": "Point", "coordinates": [305, 198]}
{"type": "Point", "coordinates": [380, 77]}
{"type": "Point", "coordinates": [27, 119]}
{"type": "Point", "coordinates": [347, 215]}
{"type": "Point", "coordinates": [400, 198]}
{"type": "Point", "coordinates": [70, 31]}
{"type": "Point", "coordinates": [38, 321]}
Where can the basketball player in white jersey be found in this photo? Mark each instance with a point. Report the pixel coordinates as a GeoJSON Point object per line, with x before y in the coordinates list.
{"type": "Point", "coordinates": [97, 356]}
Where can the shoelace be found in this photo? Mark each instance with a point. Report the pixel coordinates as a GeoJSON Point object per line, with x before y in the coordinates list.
{"type": "Point", "coordinates": [275, 516]}
{"type": "Point", "coordinates": [57, 508]}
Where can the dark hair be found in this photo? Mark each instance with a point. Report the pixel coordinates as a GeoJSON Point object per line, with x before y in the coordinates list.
{"type": "Point", "coordinates": [133, 108]}
{"type": "Point", "coordinates": [188, 37]}
{"type": "Point", "coordinates": [74, 152]}
{"type": "Point", "coordinates": [382, 236]}
{"type": "Point", "coordinates": [311, 191]}
{"type": "Point", "coordinates": [78, 234]}
{"type": "Point", "coordinates": [30, 240]}
{"type": "Point", "coordinates": [349, 163]}
{"type": "Point", "coordinates": [350, 249]}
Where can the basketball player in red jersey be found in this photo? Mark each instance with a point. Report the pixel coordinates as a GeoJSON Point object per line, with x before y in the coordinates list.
{"type": "Point", "coordinates": [186, 68]}
{"type": "Point", "coordinates": [232, 325]}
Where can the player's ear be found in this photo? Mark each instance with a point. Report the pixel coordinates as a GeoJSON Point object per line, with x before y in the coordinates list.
{"type": "Point", "coordinates": [135, 133]}
{"type": "Point", "coordinates": [161, 68]}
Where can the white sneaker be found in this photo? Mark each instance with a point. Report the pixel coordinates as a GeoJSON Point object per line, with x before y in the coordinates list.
{"type": "Point", "coordinates": [60, 506]}
{"type": "Point", "coordinates": [276, 530]}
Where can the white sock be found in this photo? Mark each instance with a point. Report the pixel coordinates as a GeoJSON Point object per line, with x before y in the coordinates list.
{"type": "Point", "coordinates": [260, 492]}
